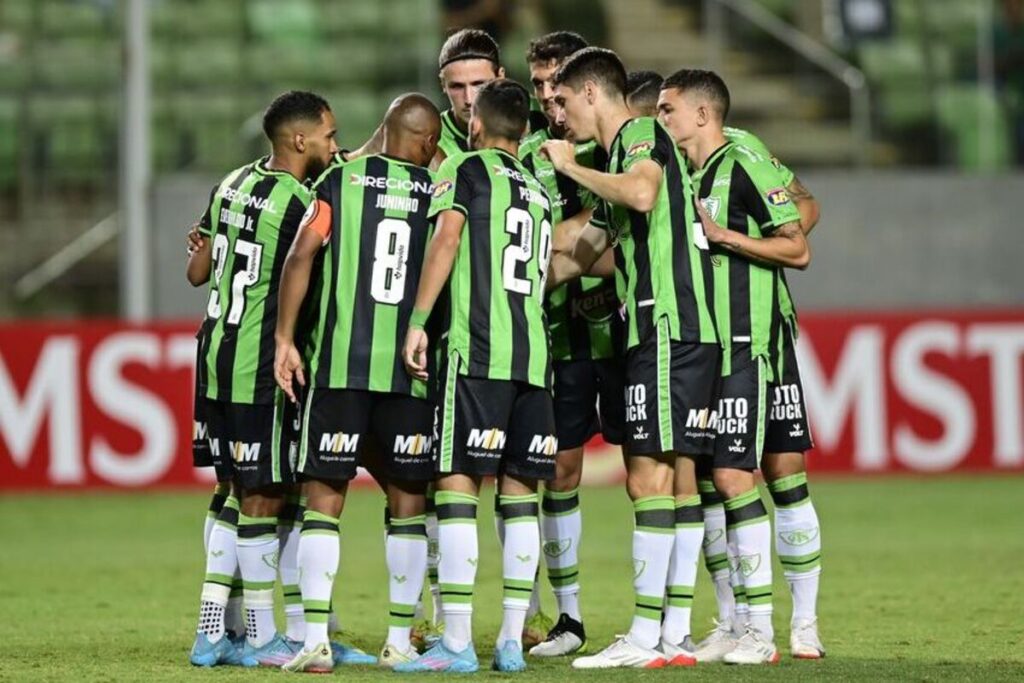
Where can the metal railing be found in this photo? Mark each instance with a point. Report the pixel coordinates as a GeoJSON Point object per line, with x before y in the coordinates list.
{"type": "Point", "coordinates": [807, 47]}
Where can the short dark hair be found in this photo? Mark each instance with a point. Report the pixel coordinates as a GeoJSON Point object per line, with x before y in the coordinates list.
{"type": "Point", "coordinates": [642, 88]}
{"type": "Point", "coordinates": [554, 46]}
{"type": "Point", "coordinates": [707, 83]}
{"type": "Point", "coordinates": [290, 106]}
{"type": "Point", "coordinates": [469, 43]}
{"type": "Point", "coordinates": [593, 64]}
{"type": "Point", "coordinates": [503, 106]}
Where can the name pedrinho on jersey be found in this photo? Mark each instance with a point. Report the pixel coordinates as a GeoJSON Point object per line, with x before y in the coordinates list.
{"type": "Point", "coordinates": [663, 269]}
{"type": "Point", "coordinates": [495, 296]}
{"type": "Point", "coordinates": [379, 233]}
{"type": "Point", "coordinates": [251, 219]}
{"type": "Point", "coordinates": [743, 191]}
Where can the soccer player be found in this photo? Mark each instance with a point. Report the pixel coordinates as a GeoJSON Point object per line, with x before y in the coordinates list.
{"type": "Point", "coordinates": [371, 217]}
{"type": "Point", "coordinates": [253, 214]}
{"type": "Point", "coordinates": [586, 352]}
{"type": "Point", "coordinates": [489, 254]}
{"type": "Point", "coordinates": [762, 235]}
{"type": "Point", "coordinates": [673, 356]}
{"type": "Point", "coordinates": [469, 59]}
{"type": "Point", "coordinates": [642, 88]}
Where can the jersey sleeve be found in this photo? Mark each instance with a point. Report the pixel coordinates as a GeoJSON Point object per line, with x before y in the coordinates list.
{"type": "Point", "coordinates": [205, 221]}
{"type": "Point", "coordinates": [645, 139]}
{"type": "Point", "coordinates": [747, 139]}
{"type": "Point", "coordinates": [452, 188]}
{"type": "Point", "coordinates": [318, 218]}
{"type": "Point", "coordinates": [764, 194]}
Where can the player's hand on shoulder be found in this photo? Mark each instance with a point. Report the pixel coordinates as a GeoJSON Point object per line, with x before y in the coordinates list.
{"type": "Point", "coordinates": [561, 153]}
{"type": "Point", "coordinates": [414, 354]}
{"type": "Point", "coordinates": [288, 365]}
{"type": "Point", "coordinates": [194, 240]}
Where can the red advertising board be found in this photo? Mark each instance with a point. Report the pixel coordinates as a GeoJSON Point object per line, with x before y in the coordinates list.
{"type": "Point", "coordinates": [91, 404]}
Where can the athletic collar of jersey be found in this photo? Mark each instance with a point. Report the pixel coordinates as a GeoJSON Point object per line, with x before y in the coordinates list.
{"type": "Point", "coordinates": [262, 168]}
{"type": "Point", "coordinates": [448, 119]}
{"type": "Point", "coordinates": [618, 133]}
{"type": "Point", "coordinates": [699, 173]}
{"type": "Point", "coordinates": [397, 160]}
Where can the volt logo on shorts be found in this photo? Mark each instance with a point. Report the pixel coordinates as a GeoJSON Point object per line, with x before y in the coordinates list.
{"type": "Point", "coordinates": [545, 445]}
{"type": "Point", "coordinates": [733, 416]}
{"type": "Point", "coordinates": [492, 439]}
{"type": "Point", "coordinates": [636, 403]}
{"type": "Point", "coordinates": [416, 444]}
{"type": "Point", "coordinates": [339, 442]}
{"type": "Point", "coordinates": [244, 452]}
{"type": "Point", "coordinates": [786, 403]}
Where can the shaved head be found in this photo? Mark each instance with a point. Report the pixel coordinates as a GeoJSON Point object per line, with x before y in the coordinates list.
{"type": "Point", "coordinates": [412, 126]}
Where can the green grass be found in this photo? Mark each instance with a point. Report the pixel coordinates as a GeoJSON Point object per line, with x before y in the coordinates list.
{"type": "Point", "coordinates": [924, 580]}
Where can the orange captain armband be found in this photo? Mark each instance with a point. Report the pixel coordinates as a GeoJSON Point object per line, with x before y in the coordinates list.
{"type": "Point", "coordinates": [318, 219]}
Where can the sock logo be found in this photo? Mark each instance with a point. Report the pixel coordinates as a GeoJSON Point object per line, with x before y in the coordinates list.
{"type": "Point", "coordinates": [557, 547]}
{"type": "Point", "coordinates": [399, 579]}
{"type": "Point", "coordinates": [638, 568]}
{"type": "Point", "coordinates": [524, 558]}
{"type": "Point", "coordinates": [472, 560]}
{"type": "Point", "coordinates": [330, 576]}
{"type": "Point", "coordinates": [799, 536]}
{"type": "Point", "coordinates": [748, 564]}
{"type": "Point", "coordinates": [271, 559]}
{"type": "Point", "coordinates": [432, 550]}
{"type": "Point", "coordinates": [216, 553]}
{"type": "Point", "coordinates": [712, 536]}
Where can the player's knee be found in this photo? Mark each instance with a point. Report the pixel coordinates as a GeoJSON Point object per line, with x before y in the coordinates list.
{"type": "Point", "coordinates": [263, 503]}
{"type": "Point", "coordinates": [776, 466]}
{"type": "Point", "coordinates": [648, 477]}
{"type": "Point", "coordinates": [731, 483]}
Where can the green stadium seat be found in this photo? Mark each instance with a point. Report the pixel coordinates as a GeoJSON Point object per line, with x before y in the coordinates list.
{"type": "Point", "coordinates": [9, 143]}
{"type": "Point", "coordinates": [86, 19]}
{"type": "Point", "coordinates": [971, 116]}
{"type": "Point", "coordinates": [289, 22]}
{"type": "Point", "coordinates": [211, 127]}
{"type": "Point", "coordinates": [358, 112]}
{"type": "Point", "coordinates": [15, 67]}
{"type": "Point", "coordinates": [211, 62]}
{"type": "Point", "coordinates": [355, 18]}
{"type": "Point", "coordinates": [16, 16]}
{"type": "Point", "coordinates": [68, 132]}
{"type": "Point", "coordinates": [199, 19]}
{"type": "Point", "coordinates": [77, 63]}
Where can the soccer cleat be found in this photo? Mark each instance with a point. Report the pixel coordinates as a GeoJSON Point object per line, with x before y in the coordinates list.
{"type": "Point", "coordinates": [440, 659]}
{"type": "Point", "coordinates": [315, 661]}
{"type": "Point", "coordinates": [536, 629]}
{"type": "Point", "coordinates": [344, 655]}
{"type": "Point", "coordinates": [278, 651]}
{"type": "Point", "coordinates": [622, 653]}
{"type": "Point", "coordinates": [391, 656]}
{"type": "Point", "coordinates": [718, 643]}
{"type": "Point", "coordinates": [509, 657]}
{"type": "Point", "coordinates": [751, 648]}
{"type": "Point", "coordinates": [565, 638]}
{"type": "Point", "coordinates": [425, 634]}
{"type": "Point", "coordinates": [804, 642]}
{"type": "Point", "coordinates": [205, 653]}
{"type": "Point", "coordinates": [678, 655]}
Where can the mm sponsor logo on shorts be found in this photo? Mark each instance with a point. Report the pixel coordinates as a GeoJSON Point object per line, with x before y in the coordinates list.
{"type": "Point", "coordinates": [414, 444]}
{"type": "Point", "coordinates": [733, 416]}
{"type": "Point", "coordinates": [339, 442]}
{"type": "Point", "coordinates": [543, 444]}
{"type": "Point", "coordinates": [200, 432]}
{"type": "Point", "coordinates": [700, 423]}
{"type": "Point", "coordinates": [492, 439]}
{"type": "Point", "coordinates": [786, 403]}
{"type": "Point", "coordinates": [636, 403]}
{"type": "Point", "coordinates": [244, 452]}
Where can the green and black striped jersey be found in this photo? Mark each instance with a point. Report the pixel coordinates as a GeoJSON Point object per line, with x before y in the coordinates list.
{"type": "Point", "coordinates": [252, 219]}
{"type": "Point", "coordinates": [747, 139]}
{"type": "Point", "coordinates": [495, 319]}
{"type": "Point", "coordinates": [582, 313]}
{"type": "Point", "coordinates": [373, 212]}
{"type": "Point", "coordinates": [743, 191]}
{"type": "Point", "coordinates": [663, 268]}
{"type": "Point", "coordinates": [453, 140]}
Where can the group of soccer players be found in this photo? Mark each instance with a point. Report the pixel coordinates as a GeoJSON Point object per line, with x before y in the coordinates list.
{"type": "Point", "coordinates": [477, 293]}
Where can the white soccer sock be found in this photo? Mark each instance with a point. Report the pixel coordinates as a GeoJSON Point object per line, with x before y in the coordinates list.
{"type": "Point", "coordinates": [798, 542]}
{"type": "Point", "coordinates": [289, 528]}
{"type": "Point", "coordinates": [741, 610]}
{"type": "Point", "coordinates": [458, 546]}
{"type": "Point", "coordinates": [520, 559]}
{"type": "Point", "coordinates": [258, 557]}
{"type": "Point", "coordinates": [319, 552]}
{"type": "Point", "coordinates": [221, 565]}
{"type": "Point", "coordinates": [220, 496]}
{"type": "Point", "coordinates": [747, 520]}
{"type": "Point", "coordinates": [437, 613]}
{"type": "Point", "coordinates": [682, 570]}
{"type": "Point", "coordinates": [716, 553]}
{"type": "Point", "coordinates": [562, 528]}
{"type": "Point", "coordinates": [406, 554]}
{"type": "Point", "coordinates": [653, 540]}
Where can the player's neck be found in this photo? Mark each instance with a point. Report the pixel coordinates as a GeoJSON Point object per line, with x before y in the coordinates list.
{"type": "Point", "coordinates": [510, 146]}
{"type": "Point", "coordinates": [610, 123]}
{"type": "Point", "coordinates": [286, 163]}
{"type": "Point", "coordinates": [704, 145]}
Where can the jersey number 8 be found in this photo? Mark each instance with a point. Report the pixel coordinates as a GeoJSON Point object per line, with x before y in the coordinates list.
{"type": "Point", "coordinates": [390, 254]}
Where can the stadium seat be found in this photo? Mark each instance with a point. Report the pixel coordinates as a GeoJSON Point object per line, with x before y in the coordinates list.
{"type": "Point", "coordinates": [67, 133]}
{"type": "Point", "coordinates": [970, 116]}
{"type": "Point", "coordinates": [16, 17]}
{"type": "Point", "coordinates": [211, 127]}
{"type": "Point", "coordinates": [358, 113]}
{"type": "Point", "coordinates": [211, 62]}
{"type": "Point", "coordinates": [77, 63]}
{"type": "Point", "coordinates": [9, 143]}
{"type": "Point", "coordinates": [86, 19]}
{"type": "Point", "coordinates": [289, 22]}
{"type": "Point", "coordinates": [213, 19]}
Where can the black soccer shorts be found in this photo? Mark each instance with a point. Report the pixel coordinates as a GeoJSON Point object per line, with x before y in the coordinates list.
{"type": "Point", "coordinates": [788, 428]}
{"type": "Point", "coordinates": [670, 388]}
{"type": "Point", "coordinates": [342, 425]}
{"type": "Point", "coordinates": [740, 414]}
{"type": "Point", "coordinates": [253, 444]}
{"type": "Point", "coordinates": [589, 399]}
{"type": "Point", "coordinates": [487, 427]}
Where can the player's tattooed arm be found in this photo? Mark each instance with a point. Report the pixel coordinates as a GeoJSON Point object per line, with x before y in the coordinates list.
{"type": "Point", "coordinates": [591, 243]}
{"type": "Point", "coordinates": [785, 247]}
{"type": "Point", "coordinates": [806, 204]}
{"type": "Point", "coordinates": [635, 189]}
{"type": "Point", "coordinates": [437, 267]}
{"type": "Point", "coordinates": [200, 258]}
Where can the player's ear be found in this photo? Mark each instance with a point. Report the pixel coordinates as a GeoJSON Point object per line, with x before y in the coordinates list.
{"type": "Point", "coordinates": [590, 91]}
{"type": "Point", "coordinates": [501, 72]}
{"type": "Point", "coordinates": [299, 142]}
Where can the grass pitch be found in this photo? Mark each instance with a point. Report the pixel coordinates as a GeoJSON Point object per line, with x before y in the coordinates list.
{"type": "Point", "coordinates": [923, 581]}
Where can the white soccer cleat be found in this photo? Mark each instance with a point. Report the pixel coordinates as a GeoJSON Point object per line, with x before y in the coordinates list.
{"type": "Point", "coordinates": [678, 655]}
{"type": "Point", "coordinates": [720, 642]}
{"type": "Point", "coordinates": [804, 642]}
{"type": "Point", "coordinates": [315, 661]}
{"type": "Point", "coordinates": [622, 653]}
{"type": "Point", "coordinates": [391, 656]}
{"type": "Point", "coordinates": [751, 648]}
{"type": "Point", "coordinates": [565, 638]}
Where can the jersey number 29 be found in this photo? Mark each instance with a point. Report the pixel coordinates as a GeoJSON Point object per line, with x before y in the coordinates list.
{"type": "Point", "coordinates": [519, 224]}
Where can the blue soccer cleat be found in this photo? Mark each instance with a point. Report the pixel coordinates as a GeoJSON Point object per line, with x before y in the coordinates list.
{"type": "Point", "coordinates": [278, 652]}
{"type": "Point", "coordinates": [509, 657]}
{"type": "Point", "coordinates": [205, 653]}
{"type": "Point", "coordinates": [440, 659]}
{"type": "Point", "coordinates": [349, 654]}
